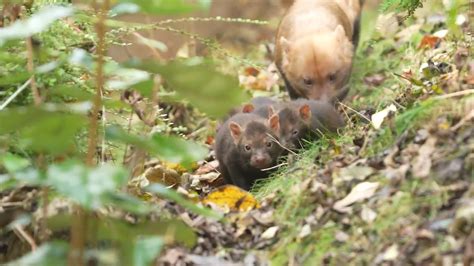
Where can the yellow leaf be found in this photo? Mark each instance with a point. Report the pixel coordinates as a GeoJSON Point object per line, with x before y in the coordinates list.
{"type": "Point", "coordinates": [179, 168]}
{"type": "Point", "coordinates": [232, 198]}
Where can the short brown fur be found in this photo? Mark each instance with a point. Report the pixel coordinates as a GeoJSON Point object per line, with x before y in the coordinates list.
{"type": "Point", "coordinates": [314, 48]}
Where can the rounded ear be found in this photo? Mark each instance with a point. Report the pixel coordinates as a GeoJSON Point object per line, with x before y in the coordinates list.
{"type": "Point", "coordinates": [305, 112]}
{"type": "Point", "coordinates": [285, 44]}
{"type": "Point", "coordinates": [347, 48]}
{"type": "Point", "coordinates": [285, 49]}
{"type": "Point", "coordinates": [235, 131]}
{"type": "Point", "coordinates": [248, 108]}
{"type": "Point", "coordinates": [274, 123]}
{"type": "Point", "coordinates": [271, 111]}
{"type": "Point", "coordinates": [340, 32]}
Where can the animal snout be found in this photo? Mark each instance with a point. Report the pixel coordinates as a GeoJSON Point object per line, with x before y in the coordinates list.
{"type": "Point", "coordinates": [260, 161]}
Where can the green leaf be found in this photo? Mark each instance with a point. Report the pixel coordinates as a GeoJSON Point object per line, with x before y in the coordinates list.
{"type": "Point", "coordinates": [177, 150]}
{"type": "Point", "coordinates": [197, 81]}
{"type": "Point", "coordinates": [174, 196]}
{"type": "Point", "coordinates": [126, 202]}
{"type": "Point", "coordinates": [152, 43]}
{"type": "Point", "coordinates": [52, 253]}
{"type": "Point", "coordinates": [167, 148]}
{"type": "Point", "coordinates": [71, 91]}
{"type": "Point", "coordinates": [35, 24]}
{"type": "Point", "coordinates": [88, 187]}
{"type": "Point", "coordinates": [14, 163]}
{"type": "Point", "coordinates": [125, 78]}
{"type": "Point", "coordinates": [124, 8]}
{"type": "Point", "coordinates": [43, 129]}
{"type": "Point", "coordinates": [167, 6]}
{"type": "Point", "coordinates": [81, 57]}
{"type": "Point", "coordinates": [30, 176]}
{"type": "Point", "coordinates": [7, 57]}
{"type": "Point", "coordinates": [13, 78]}
{"type": "Point", "coordinates": [146, 250]}
{"type": "Point", "coordinates": [117, 233]}
{"type": "Point", "coordinates": [144, 87]}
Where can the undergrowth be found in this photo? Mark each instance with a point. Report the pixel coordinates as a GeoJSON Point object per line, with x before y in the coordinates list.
{"type": "Point", "coordinates": [376, 55]}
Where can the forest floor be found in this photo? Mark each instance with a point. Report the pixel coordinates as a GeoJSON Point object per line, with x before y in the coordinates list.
{"type": "Point", "coordinates": [395, 192]}
{"type": "Point", "coordinates": [394, 187]}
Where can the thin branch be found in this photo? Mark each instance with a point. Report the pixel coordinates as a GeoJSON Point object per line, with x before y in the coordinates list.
{"type": "Point", "coordinates": [30, 66]}
{"type": "Point", "coordinates": [104, 121]}
{"type": "Point", "coordinates": [455, 94]}
{"type": "Point", "coordinates": [23, 234]}
{"type": "Point", "coordinates": [100, 81]}
{"type": "Point", "coordinates": [79, 226]}
{"type": "Point", "coordinates": [15, 94]}
{"type": "Point", "coordinates": [40, 161]}
{"type": "Point", "coordinates": [350, 108]}
{"type": "Point", "coordinates": [214, 19]}
{"type": "Point", "coordinates": [281, 145]}
{"type": "Point", "coordinates": [273, 167]}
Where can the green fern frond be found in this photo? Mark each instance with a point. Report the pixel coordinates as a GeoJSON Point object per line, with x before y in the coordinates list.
{"type": "Point", "coordinates": [401, 5]}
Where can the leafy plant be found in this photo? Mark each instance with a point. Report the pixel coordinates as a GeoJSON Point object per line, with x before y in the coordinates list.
{"type": "Point", "coordinates": [402, 5]}
{"type": "Point", "coordinates": [55, 132]}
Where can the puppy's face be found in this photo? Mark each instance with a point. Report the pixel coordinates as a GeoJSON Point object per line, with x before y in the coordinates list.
{"type": "Point", "coordinates": [318, 67]}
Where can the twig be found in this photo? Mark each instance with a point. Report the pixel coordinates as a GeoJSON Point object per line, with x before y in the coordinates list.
{"type": "Point", "coordinates": [79, 225]}
{"type": "Point", "coordinates": [20, 231]}
{"type": "Point", "coordinates": [214, 19]}
{"type": "Point", "coordinates": [30, 67]}
{"type": "Point", "coordinates": [38, 101]}
{"type": "Point", "coordinates": [13, 96]}
{"type": "Point", "coordinates": [104, 121]}
{"type": "Point", "coordinates": [273, 167]}
{"type": "Point", "coordinates": [152, 49]}
{"type": "Point", "coordinates": [100, 81]}
{"type": "Point", "coordinates": [350, 108]}
{"type": "Point", "coordinates": [281, 145]}
{"type": "Point", "coordinates": [463, 121]}
{"type": "Point", "coordinates": [455, 94]}
{"type": "Point", "coordinates": [208, 42]}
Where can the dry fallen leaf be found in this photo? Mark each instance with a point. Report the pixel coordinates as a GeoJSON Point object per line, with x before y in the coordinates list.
{"type": "Point", "coordinates": [232, 198]}
{"type": "Point", "coordinates": [367, 214]}
{"type": "Point", "coordinates": [179, 168]}
{"type": "Point", "coordinates": [422, 164]}
{"type": "Point", "coordinates": [163, 175]}
{"type": "Point", "coordinates": [251, 71]}
{"type": "Point", "coordinates": [270, 232]}
{"type": "Point", "coordinates": [360, 192]}
{"type": "Point", "coordinates": [259, 80]}
{"type": "Point", "coordinates": [379, 117]}
{"type": "Point", "coordinates": [391, 253]}
{"type": "Point", "coordinates": [305, 231]}
{"type": "Point", "coordinates": [429, 41]}
{"type": "Point", "coordinates": [341, 236]}
{"type": "Point", "coordinates": [441, 33]}
{"type": "Point", "coordinates": [374, 80]}
{"type": "Point", "coordinates": [207, 167]}
{"type": "Point", "coordinates": [387, 24]}
{"type": "Point", "coordinates": [355, 172]}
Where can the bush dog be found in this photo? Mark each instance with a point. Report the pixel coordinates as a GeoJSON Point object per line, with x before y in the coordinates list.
{"type": "Point", "coordinates": [245, 145]}
{"type": "Point", "coordinates": [315, 45]}
{"type": "Point", "coordinates": [299, 119]}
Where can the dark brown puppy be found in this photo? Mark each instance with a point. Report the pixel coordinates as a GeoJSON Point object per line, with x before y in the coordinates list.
{"type": "Point", "coordinates": [245, 146]}
{"type": "Point", "coordinates": [302, 118]}
{"type": "Point", "coordinates": [315, 47]}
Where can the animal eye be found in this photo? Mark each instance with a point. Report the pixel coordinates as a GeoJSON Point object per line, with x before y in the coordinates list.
{"type": "Point", "coordinates": [269, 144]}
{"type": "Point", "coordinates": [332, 77]}
{"type": "Point", "coordinates": [307, 81]}
{"type": "Point", "coordinates": [295, 132]}
{"type": "Point", "coordinates": [247, 147]}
